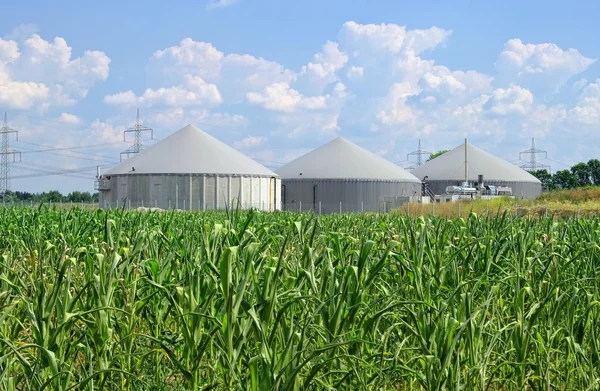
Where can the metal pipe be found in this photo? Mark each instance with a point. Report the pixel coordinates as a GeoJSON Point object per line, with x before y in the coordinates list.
{"type": "Point", "coordinates": [466, 163]}
{"type": "Point", "coordinates": [191, 194]}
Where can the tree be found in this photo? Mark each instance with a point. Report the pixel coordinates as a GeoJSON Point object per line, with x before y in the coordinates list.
{"type": "Point", "coordinates": [545, 177]}
{"type": "Point", "coordinates": [582, 172]}
{"type": "Point", "coordinates": [594, 167]}
{"type": "Point", "coordinates": [564, 179]}
{"type": "Point", "coordinates": [437, 154]}
{"type": "Point", "coordinates": [52, 196]}
{"type": "Point", "coordinates": [77, 196]}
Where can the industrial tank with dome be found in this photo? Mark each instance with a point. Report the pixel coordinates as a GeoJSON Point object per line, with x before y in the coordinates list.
{"type": "Point", "coordinates": [341, 176]}
{"type": "Point", "coordinates": [468, 163]}
{"type": "Point", "coordinates": [190, 170]}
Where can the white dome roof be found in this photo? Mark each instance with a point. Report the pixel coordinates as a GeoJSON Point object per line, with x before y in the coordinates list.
{"type": "Point", "coordinates": [190, 151]}
{"type": "Point", "coordinates": [451, 166]}
{"type": "Point", "coordinates": [341, 159]}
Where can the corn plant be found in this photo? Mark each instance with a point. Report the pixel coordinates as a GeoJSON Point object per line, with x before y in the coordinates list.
{"type": "Point", "coordinates": [247, 300]}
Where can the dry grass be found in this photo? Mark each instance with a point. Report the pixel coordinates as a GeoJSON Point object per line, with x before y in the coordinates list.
{"type": "Point", "coordinates": [562, 203]}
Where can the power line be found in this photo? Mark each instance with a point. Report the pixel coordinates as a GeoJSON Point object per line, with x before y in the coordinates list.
{"type": "Point", "coordinates": [533, 164]}
{"type": "Point", "coordinates": [87, 157]}
{"type": "Point", "coordinates": [6, 152]}
{"type": "Point", "coordinates": [419, 153]}
{"type": "Point", "coordinates": [25, 166]}
{"type": "Point", "coordinates": [60, 173]}
{"type": "Point", "coordinates": [137, 130]}
{"type": "Point", "coordinates": [562, 164]}
{"type": "Point", "coordinates": [69, 148]}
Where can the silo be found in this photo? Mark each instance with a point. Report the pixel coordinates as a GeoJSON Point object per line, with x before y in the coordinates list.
{"type": "Point", "coordinates": [341, 176]}
{"type": "Point", "coordinates": [474, 164]}
{"type": "Point", "coordinates": [190, 170]}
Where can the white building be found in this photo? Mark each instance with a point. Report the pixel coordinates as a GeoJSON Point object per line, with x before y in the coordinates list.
{"type": "Point", "coordinates": [343, 176]}
{"type": "Point", "coordinates": [190, 170]}
{"type": "Point", "coordinates": [469, 162]}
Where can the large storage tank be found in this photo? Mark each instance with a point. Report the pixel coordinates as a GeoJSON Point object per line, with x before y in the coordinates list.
{"type": "Point", "coordinates": [343, 176]}
{"type": "Point", "coordinates": [190, 170]}
{"type": "Point", "coordinates": [449, 170]}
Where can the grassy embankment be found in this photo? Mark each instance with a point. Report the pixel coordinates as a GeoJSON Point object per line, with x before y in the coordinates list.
{"type": "Point", "coordinates": [560, 203]}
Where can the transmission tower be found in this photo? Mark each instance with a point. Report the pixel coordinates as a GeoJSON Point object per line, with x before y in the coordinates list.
{"type": "Point", "coordinates": [419, 153]}
{"type": "Point", "coordinates": [533, 164]}
{"type": "Point", "coordinates": [7, 155]}
{"type": "Point", "coordinates": [137, 130]}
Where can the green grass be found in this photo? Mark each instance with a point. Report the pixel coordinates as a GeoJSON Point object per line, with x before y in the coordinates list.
{"type": "Point", "coordinates": [94, 300]}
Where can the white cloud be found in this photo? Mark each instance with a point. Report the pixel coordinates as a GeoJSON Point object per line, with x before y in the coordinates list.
{"type": "Point", "coordinates": [194, 92]}
{"type": "Point", "coordinates": [392, 38]}
{"type": "Point", "coordinates": [280, 97]}
{"type": "Point", "coordinates": [587, 110]}
{"type": "Point", "coordinates": [580, 84]}
{"type": "Point", "coordinates": [22, 95]}
{"type": "Point", "coordinates": [235, 74]}
{"type": "Point", "coordinates": [322, 71]}
{"type": "Point", "coordinates": [175, 118]}
{"type": "Point", "coordinates": [396, 111]}
{"type": "Point", "coordinates": [70, 119]}
{"type": "Point", "coordinates": [400, 93]}
{"type": "Point", "coordinates": [355, 72]}
{"type": "Point", "coordinates": [512, 100]}
{"type": "Point", "coordinates": [250, 142]}
{"type": "Point", "coordinates": [546, 64]}
{"type": "Point", "coordinates": [44, 74]}
{"type": "Point", "coordinates": [220, 4]}
{"type": "Point", "coordinates": [106, 132]}
{"type": "Point", "coordinates": [541, 120]}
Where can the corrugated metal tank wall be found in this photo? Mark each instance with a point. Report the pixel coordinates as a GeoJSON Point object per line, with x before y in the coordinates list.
{"type": "Point", "coordinates": [192, 192]}
{"type": "Point", "coordinates": [526, 190]}
{"type": "Point", "coordinates": [354, 195]}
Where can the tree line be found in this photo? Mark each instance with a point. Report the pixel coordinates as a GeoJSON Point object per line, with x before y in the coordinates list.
{"type": "Point", "coordinates": [53, 196]}
{"type": "Point", "coordinates": [580, 175]}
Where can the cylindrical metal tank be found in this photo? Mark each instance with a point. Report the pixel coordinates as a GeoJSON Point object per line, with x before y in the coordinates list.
{"type": "Point", "coordinates": [190, 170]}
{"type": "Point", "coordinates": [192, 191]}
{"type": "Point", "coordinates": [448, 170]}
{"type": "Point", "coordinates": [343, 177]}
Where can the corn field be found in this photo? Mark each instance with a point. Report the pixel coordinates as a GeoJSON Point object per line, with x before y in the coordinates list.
{"type": "Point", "coordinates": [107, 300]}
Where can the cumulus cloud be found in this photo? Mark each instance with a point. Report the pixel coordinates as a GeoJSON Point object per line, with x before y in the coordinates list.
{"type": "Point", "coordinates": [107, 132]}
{"type": "Point", "coordinates": [235, 74]}
{"type": "Point", "coordinates": [250, 142]}
{"type": "Point", "coordinates": [580, 84]}
{"type": "Point", "coordinates": [322, 71]}
{"type": "Point", "coordinates": [396, 110]}
{"type": "Point", "coordinates": [174, 118]}
{"type": "Point", "coordinates": [280, 97]}
{"type": "Point", "coordinates": [545, 66]}
{"type": "Point", "coordinates": [587, 110]}
{"type": "Point", "coordinates": [512, 100]}
{"type": "Point", "coordinates": [70, 119]}
{"type": "Point", "coordinates": [42, 73]}
{"type": "Point", "coordinates": [391, 38]}
{"type": "Point", "coordinates": [194, 92]}
{"type": "Point", "coordinates": [370, 77]}
{"type": "Point", "coordinates": [355, 72]}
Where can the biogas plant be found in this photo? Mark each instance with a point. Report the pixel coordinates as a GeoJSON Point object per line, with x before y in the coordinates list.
{"type": "Point", "coordinates": [192, 170]}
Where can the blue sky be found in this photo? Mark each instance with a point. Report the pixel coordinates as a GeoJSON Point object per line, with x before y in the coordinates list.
{"type": "Point", "coordinates": [278, 78]}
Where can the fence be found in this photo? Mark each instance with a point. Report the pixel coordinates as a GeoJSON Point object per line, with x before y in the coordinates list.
{"type": "Point", "coordinates": [447, 209]}
{"type": "Point", "coordinates": [67, 204]}
{"type": "Point", "coordinates": [317, 207]}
